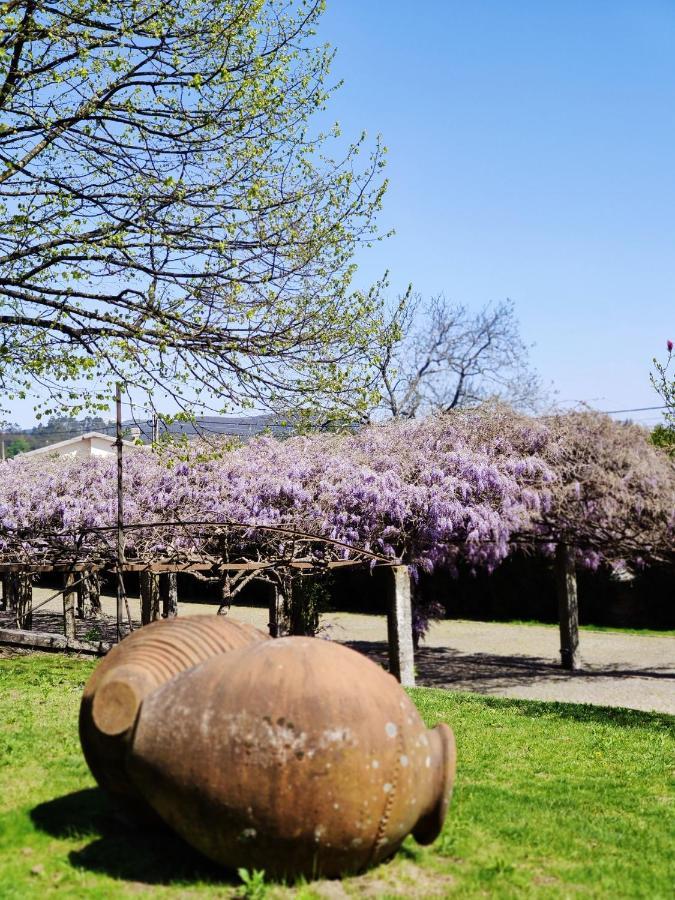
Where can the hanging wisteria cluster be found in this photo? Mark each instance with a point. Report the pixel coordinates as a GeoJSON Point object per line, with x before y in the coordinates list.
{"type": "Point", "coordinates": [465, 487]}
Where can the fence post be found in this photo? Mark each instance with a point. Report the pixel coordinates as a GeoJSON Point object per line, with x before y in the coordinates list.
{"type": "Point", "coordinates": [168, 584]}
{"type": "Point", "coordinates": [149, 597]}
{"type": "Point", "coordinates": [69, 606]}
{"type": "Point", "coordinates": [399, 626]}
{"type": "Point", "coordinates": [568, 607]}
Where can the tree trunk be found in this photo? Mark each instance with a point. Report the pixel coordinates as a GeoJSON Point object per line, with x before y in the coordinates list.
{"type": "Point", "coordinates": [88, 596]}
{"type": "Point", "coordinates": [94, 583]}
{"type": "Point", "coordinates": [399, 627]}
{"type": "Point", "coordinates": [300, 605]}
{"type": "Point", "coordinates": [20, 600]}
{"type": "Point", "coordinates": [168, 584]}
{"type": "Point", "coordinates": [82, 607]}
{"type": "Point", "coordinates": [568, 609]}
{"type": "Point", "coordinates": [273, 624]}
{"type": "Point", "coordinates": [225, 596]}
{"type": "Point", "coordinates": [69, 593]}
{"type": "Point", "coordinates": [149, 597]}
{"type": "Point", "coordinates": [4, 584]}
{"type": "Point", "coordinates": [10, 593]}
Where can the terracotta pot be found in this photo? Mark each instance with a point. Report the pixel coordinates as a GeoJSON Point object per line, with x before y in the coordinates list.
{"type": "Point", "coordinates": [297, 756]}
{"type": "Point", "coordinates": [145, 660]}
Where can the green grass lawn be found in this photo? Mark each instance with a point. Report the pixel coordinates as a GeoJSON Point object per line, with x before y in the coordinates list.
{"type": "Point", "coordinates": [552, 800]}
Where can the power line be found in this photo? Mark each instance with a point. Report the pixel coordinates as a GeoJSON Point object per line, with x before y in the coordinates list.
{"type": "Point", "coordinates": [611, 412]}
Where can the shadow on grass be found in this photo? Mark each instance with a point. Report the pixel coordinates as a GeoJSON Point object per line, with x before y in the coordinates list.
{"type": "Point", "coordinates": [150, 855]}
{"type": "Point", "coordinates": [618, 717]}
{"type": "Point", "coordinates": [612, 716]}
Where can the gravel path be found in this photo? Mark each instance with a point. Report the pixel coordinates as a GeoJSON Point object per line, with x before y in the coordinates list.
{"type": "Point", "coordinates": [502, 660]}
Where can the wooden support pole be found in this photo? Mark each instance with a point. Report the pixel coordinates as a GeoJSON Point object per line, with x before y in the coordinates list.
{"type": "Point", "coordinates": [69, 606]}
{"type": "Point", "coordinates": [149, 597]}
{"type": "Point", "coordinates": [568, 608]}
{"type": "Point", "coordinates": [168, 585]}
{"type": "Point", "coordinates": [5, 590]}
{"type": "Point", "coordinates": [399, 626]}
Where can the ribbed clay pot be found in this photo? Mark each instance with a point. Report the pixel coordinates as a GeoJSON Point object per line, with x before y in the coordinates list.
{"type": "Point", "coordinates": [297, 756]}
{"type": "Point", "coordinates": [145, 660]}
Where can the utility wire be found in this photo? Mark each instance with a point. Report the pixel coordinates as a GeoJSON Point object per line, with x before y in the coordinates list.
{"type": "Point", "coordinates": [611, 412]}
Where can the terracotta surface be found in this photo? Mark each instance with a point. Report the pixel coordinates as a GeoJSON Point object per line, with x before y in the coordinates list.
{"type": "Point", "coordinates": [297, 756]}
{"type": "Point", "coordinates": [142, 662]}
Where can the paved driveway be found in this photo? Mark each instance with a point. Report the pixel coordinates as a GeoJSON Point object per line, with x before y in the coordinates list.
{"type": "Point", "coordinates": [503, 660]}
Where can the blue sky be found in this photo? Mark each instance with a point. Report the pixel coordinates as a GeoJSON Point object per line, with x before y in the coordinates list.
{"type": "Point", "coordinates": [531, 156]}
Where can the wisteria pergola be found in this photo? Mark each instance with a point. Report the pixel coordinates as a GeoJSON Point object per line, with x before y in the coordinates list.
{"type": "Point", "coordinates": [233, 553]}
{"type": "Point", "coordinates": [462, 490]}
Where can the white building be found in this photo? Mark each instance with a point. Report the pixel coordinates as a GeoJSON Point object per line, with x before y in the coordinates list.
{"type": "Point", "coordinates": [82, 446]}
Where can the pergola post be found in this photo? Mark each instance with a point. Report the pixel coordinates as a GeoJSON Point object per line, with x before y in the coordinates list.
{"type": "Point", "coordinates": [399, 626]}
{"type": "Point", "coordinates": [568, 607]}
{"type": "Point", "coordinates": [149, 597]}
{"type": "Point", "coordinates": [168, 584]}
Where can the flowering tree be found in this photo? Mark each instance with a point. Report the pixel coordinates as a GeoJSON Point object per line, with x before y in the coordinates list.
{"type": "Point", "coordinates": [614, 494]}
{"type": "Point", "coordinates": [430, 493]}
{"type": "Point", "coordinates": [427, 493]}
{"type": "Point", "coordinates": [613, 501]}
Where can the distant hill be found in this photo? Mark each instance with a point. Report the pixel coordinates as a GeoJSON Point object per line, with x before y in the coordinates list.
{"type": "Point", "coordinates": [243, 427]}
{"type": "Point", "coordinates": [19, 440]}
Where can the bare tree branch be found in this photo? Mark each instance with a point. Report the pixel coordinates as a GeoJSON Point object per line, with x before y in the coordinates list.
{"type": "Point", "coordinates": [443, 356]}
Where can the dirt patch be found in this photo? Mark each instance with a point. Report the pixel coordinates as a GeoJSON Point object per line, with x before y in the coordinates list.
{"type": "Point", "coordinates": [405, 880]}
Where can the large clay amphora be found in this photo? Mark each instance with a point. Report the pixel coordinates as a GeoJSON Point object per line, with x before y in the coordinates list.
{"type": "Point", "coordinates": [297, 756]}
{"type": "Point", "coordinates": [142, 662]}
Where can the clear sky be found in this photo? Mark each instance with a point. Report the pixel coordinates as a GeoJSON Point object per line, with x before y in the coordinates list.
{"type": "Point", "coordinates": [531, 156]}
